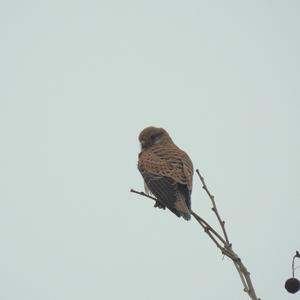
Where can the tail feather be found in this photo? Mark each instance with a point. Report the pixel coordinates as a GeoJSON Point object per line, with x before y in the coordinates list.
{"type": "Point", "coordinates": [182, 207]}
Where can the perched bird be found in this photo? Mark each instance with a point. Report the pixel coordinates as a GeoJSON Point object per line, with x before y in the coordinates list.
{"type": "Point", "coordinates": [167, 171]}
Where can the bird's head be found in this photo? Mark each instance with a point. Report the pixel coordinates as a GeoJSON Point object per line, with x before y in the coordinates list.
{"type": "Point", "coordinates": [153, 136]}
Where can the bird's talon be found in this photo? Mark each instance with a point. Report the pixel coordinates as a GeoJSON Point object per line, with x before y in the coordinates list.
{"type": "Point", "coordinates": [159, 205]}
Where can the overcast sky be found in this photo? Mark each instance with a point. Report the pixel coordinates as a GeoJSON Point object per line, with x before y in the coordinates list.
{"type": "Point", "coordinates": [80, 80]}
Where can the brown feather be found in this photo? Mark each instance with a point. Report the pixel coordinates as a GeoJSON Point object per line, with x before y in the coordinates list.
{"type": "Point", "coordinates": [167, 170]}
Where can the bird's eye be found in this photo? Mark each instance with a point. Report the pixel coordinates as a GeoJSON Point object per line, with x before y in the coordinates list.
{"type": "Point", "coordinates": [152, 136]}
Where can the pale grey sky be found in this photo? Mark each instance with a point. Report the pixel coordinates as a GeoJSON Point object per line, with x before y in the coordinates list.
{"type": "Point", "coordinates": [80, 80]}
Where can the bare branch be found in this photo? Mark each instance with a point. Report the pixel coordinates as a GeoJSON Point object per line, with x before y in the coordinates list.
{"type": "Point", "coordinates": [209, 230]}
{"type": "Point", "coordinates": [227, 249]}
{"type": "Point", "coordinates": [208, 227]}
{"type": "Point", "coordinates": [222, 243]}
{"type": "Point", "coordinates": [214, 208]}
{"type": "Point", "coordinates": [143, 194]}
{"type": "Point", "coordinates": [293, 263]}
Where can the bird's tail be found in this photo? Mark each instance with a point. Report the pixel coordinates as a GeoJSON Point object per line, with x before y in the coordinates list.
{"type": "Point", "coordinates": [181, 206]}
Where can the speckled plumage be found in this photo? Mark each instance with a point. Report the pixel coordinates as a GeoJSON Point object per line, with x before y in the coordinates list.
{"type": "Point", "coordinates": [167, 171]}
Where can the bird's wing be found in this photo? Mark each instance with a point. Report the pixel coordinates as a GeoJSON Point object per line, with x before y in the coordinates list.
{"type": "Point", "coordinates": [163, 188]}
{"type": "Point", "coordinates": [169, 161]}
{"type": "Point", "coordinates": [168, 172]}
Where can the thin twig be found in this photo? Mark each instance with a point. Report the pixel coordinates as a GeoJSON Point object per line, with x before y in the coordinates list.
{"type": "Point", "coordinates": [143, 194]}
{"type": "Point", "coordinates": [214, 208]}
{"type": "Point", "coordinates": [293, 263]}
{"type": "Point", "coordinates": [209, 230]}
{"type": "Point", "coordinates": [208, 227]}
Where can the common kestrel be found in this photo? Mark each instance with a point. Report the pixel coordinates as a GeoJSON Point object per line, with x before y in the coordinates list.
{"type": "Point", "coordinates": [167, 171]}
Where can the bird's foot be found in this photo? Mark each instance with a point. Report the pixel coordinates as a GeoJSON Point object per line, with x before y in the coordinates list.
{"type": "Point", "coordinates": [159, 205]}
